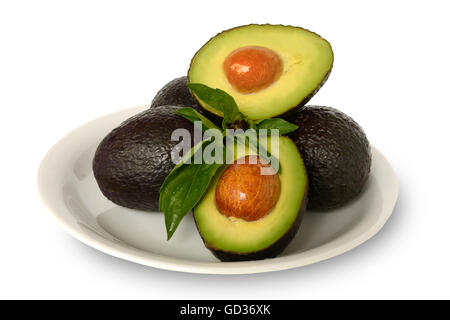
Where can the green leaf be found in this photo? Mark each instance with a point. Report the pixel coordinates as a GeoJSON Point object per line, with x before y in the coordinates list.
{"type": "Point", "coordinates": [252, 124]}
{"type": "Point", "coordinates": [192, 115]}
{"type": "Point", "coordinates": [218, 100]}
{"type": "Point", "coordinates": [182, 161]}
{"type": "Point", "coordinates": [186, 187]}
{"type": "Point", "coordinates": [282, 125]}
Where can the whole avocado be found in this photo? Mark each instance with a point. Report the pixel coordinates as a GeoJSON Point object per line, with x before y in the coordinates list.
{"type": "Point", "coordinates": [177, 93]}
{"type": "Point", "coordinates": [336, 153]}
{"type": "Point", "coordinates": [133, 160]}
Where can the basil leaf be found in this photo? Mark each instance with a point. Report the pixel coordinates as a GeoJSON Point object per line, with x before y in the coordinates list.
{"type": "Point", "coordinates": [218, 100]}
{"type": "Point", "coordinates": [282, 125]}
{"type": "Point", "coordinates": [186, 187]}
{"type": "Point", "coordinates": [252, 124]}
{"type": "Point", "coordinates": [192, 115]}
{"type": "Point", "coordinates": [182, 161]}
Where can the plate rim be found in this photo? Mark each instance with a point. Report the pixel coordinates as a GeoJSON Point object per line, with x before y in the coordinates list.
{"type": "Point", "coordinates": [150, 259]}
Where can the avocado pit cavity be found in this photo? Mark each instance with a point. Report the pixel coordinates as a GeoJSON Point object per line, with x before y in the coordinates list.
{"type": "Point", "coordinates": [253, 68]}
{"type": "Point", "coordinates": [246, 191]}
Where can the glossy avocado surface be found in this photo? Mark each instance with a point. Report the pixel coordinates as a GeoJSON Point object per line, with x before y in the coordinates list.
{"type": "Point", "coordinates": [300, 59]}
{"type": "Point", "coordinates": [133, 160]}
{"type": "Point", "coordinates": [236, 239]}
{"type": "Point", "coordinates": [336, 153]}
{"type": "Point", "coordinates": [176, 93]}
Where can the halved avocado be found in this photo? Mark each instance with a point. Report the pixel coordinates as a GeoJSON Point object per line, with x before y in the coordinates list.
{"type": "Point", "coordinates": [292, 64]}
{"type": "Point", "coordinates": [236, 239]}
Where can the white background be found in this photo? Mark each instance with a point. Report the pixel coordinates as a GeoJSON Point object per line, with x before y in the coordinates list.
{"type": "Point", "coordinates": [63, 63]}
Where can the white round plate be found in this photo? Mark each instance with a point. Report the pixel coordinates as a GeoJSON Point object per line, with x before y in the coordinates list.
{"type": "Point", "coordinates": [69, 191]}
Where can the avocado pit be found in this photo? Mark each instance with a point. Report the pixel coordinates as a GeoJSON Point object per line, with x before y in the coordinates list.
{"type": "Point", "coordinates": [246, 191]}
{"type": "Point", "coordinates": [253, 68]}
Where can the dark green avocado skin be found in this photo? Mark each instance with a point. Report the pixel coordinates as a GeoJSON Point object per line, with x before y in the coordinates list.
{"type": "Point", "coordinates": [176, 93]}
{"type": "Point", "coordinates": [270, 252]}
{"type": "Point", "coordinates": [133, 160]}
{"type": "Point", "coordinates": [336, 153]}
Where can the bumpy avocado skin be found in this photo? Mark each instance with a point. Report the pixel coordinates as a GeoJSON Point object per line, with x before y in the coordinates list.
{"type": "Point", "coordinates": [176, 93]}
{"type": "Point", "coordinates": [336, 153]}
{"type": "Point", "coordinates": [270, 252]}
{"type": "Point", "coordinates": [133, 160]}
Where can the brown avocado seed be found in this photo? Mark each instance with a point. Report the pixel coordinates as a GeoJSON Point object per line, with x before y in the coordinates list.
{"type": "Point", "coordinates": [251, 69]}
{"type": "Point", "coordinates": [244, 192]}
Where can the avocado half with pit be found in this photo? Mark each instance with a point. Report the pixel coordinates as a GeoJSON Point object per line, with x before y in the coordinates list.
{"type": "Point", "coordinates": [268, 69]}
{"type": "Point", "coordinates": [250, 211]}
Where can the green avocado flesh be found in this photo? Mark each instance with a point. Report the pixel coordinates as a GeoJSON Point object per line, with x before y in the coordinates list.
{"type": "Point", "coordinates": [232, 239]}
{"type": "Point", "coordinates": [307, 61]}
